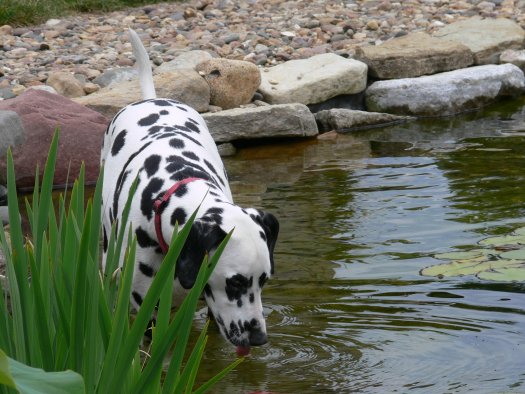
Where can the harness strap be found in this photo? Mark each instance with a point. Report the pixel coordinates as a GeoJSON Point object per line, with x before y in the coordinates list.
{"type": "Point", "coordinates": [160, 204]}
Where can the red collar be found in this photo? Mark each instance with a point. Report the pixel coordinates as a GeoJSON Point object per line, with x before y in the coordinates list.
{"type": "Point", "coordinates": [158, 207]}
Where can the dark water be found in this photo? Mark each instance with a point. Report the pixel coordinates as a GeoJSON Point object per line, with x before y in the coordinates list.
{"type": "Point", "coordinates": [360, 215]}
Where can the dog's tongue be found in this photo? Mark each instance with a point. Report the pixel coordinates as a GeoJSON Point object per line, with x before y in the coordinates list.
{"type": "Point", "coordinates": [243, 351]}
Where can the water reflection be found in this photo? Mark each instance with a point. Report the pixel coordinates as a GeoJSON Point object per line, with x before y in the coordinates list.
{"type": "Point", "coordinates": [360, 216]}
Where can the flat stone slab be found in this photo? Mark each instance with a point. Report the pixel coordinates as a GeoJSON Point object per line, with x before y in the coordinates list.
{"type": "Point", "coordinates": [270, 121]}
{"type": "Point", "coordinates": [344, 120]}
{"type": "Point", "coordinates": [185, 85]}
{"type": "Point", "coordinates": [313, 80]}
{"type": "Point", "coordinates": [413, 55]}
{"type": "Point", "coordinates": [486, 38]}
{"type": "Point", "coordinates": [446, 93]}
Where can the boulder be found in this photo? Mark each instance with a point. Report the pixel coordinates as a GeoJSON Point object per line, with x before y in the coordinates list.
{"type": "Point", "coordinates": [343, 120]}
{"type": "Point", "coordinates": [413, 55]}
{"type": "Point", "coordinates": [486, 38]}
{"type": "Point", "coordinates": [313, 80]}
{"type": "Point", "coordinates": [284, 120]}
{"type": "Point", "coordinates": [66, 84]}
{"type": "Point", "coordinates": [513, 56]}
{"type": "Point", "coordinates": [81, 134]}
{"type": "Point", "coordinates": [184, 85]}
{"type": "Point", "coordinates": [232, 82]}
{"type": "Point", "coordinates": [446, 93]}
{"type": "Point", "coordinates": [186, 59]}
{"type": "Point", "coordinates": [11, 131]}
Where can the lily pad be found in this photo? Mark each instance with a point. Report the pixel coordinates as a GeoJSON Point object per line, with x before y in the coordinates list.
{"type": "Point", "coordinates": [467, 267]}
{"type": "Point", "coordinates": [520, 231]}
{"type": "Point", "coordinates": [518, 254]}
{"type": "Point", "coordinates": [510, 274]}
{"type": "Point", "coordinates": [465, 255]}
{"type": "Point", "coordinates": [504, 240]}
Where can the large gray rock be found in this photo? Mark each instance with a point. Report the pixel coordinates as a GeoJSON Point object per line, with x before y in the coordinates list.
{"type": "Point", "coordinates": [312, 80]}
{"type": "Point", "coordinates": [81, 134]}
{"type": "Point", "coordinates": [413, 55]}
{"type": "Point", "coordinates": [445, 93]}
{"type": "Point", "coordinates": [486, 38]}
{"type": "Point", "coordinates": [11, 131]}
{"type": "Point", "coordinates": [284, 120]}
{"type": "Point", "coordinates": [343, 120]}
{"type": "Point", "coordinates": [184, 85]}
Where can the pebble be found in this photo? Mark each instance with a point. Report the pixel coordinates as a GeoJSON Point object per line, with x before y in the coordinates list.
{"type": "Point", "coordinates": [264, 32]}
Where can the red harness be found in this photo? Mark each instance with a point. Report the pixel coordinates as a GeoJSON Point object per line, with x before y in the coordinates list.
{"type": "Point", "coordinates": [158, 207]}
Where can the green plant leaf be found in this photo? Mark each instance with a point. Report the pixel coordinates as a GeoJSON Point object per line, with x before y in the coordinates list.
{"type": "Point", "coordinates": [504, 240]}
{"type": "Point", "coordinates": [29, 380]}
{"type": "Point", "coordinates": [467, 267]}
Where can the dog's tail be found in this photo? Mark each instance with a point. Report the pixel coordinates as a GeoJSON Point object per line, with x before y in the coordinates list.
{"type": "Point", "coordinates": [145, 74]}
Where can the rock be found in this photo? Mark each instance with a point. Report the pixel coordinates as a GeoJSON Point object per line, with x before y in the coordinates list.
{"type": "Point", "coordinates": [486, 38]}
{"type": "Point", "coordinates": [232, 82]}
{"type": "Point", "coordinates": [116, 75]}
{"type": "Point", "coordinates": [343, 120]}
{"type": "Point", "coordinates": [310, 81]}
{"type": "Point", "coordinates": [65, 84]}
{"type": "Point", "coordinates": [184, 85]}
{"type": "Point", "coordinates": [11, 131]}
{"type": "Point", "coordinates": [81, 135]}
{"type": "Point", "coordinates": [187, 59]}
{"type": "Point", "coordinates": [513, 56]}
{"type": "Point", "coordinates": [47, 88]}
{"type": "Point", "coordinates": [413, 55]}
{"type": "Point", "coordinates": [445, 93]}
{"type": "Point", "coordinates": [348, 101]}
{"type": "Point", "coordinates": [283, 120]}
{"type": "Point", "coordinates": [226, 150]}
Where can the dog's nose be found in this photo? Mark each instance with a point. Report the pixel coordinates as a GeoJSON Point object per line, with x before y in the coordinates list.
{"type": "Point", "coordinates": [258, 337]}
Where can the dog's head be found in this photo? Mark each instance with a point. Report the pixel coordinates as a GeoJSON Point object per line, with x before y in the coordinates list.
{"type": "Point", "coordinates": [233, 292]}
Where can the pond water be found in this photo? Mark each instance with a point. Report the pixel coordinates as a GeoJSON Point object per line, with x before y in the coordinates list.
{"type": "Point", "coordinates": [361, 215]}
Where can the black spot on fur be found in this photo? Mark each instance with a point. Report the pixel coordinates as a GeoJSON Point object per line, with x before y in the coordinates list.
{"type": "Point", "coordinates": [163, 112]}
{"type": "Point", "coordinates": [137, 297]}
{"type": "Point", "coordinates": [237, 286]}
{"type": "Point", "coordinates": [177, 143]}
{"type": "Point", "coordinates": [214, 215]}
{"type": "Point", "coordinates": [149, 120]}
{"type": "Point", "coordinates": [105, 239]}
{"type": "Point", "coordinates": [151, 164]}
{"type": "Point", "coordinates": [262, 279]}
{"type": "Point", "coordinates": [263, 235]}
{"type": "Point", "coordinates": [190, 155]}
{"type": "Point", "coordinates": [149, 194]}
{"type": "Point", "coordinates": [196, 142]}
{"type": "Point", "coordinates": [163, 103]}
{"type": "Point", "coordinates": [118, 143]}
{"type": "Point", "coordinates": [146, 270]}
{"type": "Point", "coordinates": [178, 216]}
{"type": "Point", "coordinates": [208, 292]}
{"type": "Point", "coordinates": [143, 238]}
{"type": "Point", "coordinates": [252, 298]}
{"type": "Point", "coordinates": [182, 108]}
{"type": "Point", "coordinates": [192, 126]}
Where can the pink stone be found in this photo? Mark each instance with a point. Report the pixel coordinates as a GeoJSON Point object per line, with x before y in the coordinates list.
{"type": "Point", "coordinates": [80, 140]}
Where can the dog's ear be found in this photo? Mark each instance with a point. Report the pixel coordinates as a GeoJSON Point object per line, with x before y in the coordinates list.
{"type": "Point", "coordinates": [203, 238]}
{"type": "Point", "coordinates": [270, 226]}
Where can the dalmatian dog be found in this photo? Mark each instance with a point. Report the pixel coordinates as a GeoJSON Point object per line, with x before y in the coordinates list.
{"type": "Point", "coordinates": [167, 145]}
